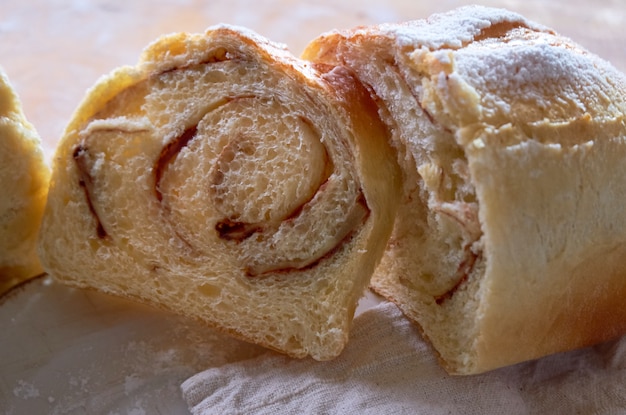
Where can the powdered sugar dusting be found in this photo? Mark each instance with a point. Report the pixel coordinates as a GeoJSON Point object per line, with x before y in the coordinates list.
{"type": "Point", "coordinates": [538, 77]}
{"type": "Point", "coordinates": [453, 29]}
{"type": "Point", "coordinates": [25, 390]}
{"type": "Point", "coordinates": [522, 72]}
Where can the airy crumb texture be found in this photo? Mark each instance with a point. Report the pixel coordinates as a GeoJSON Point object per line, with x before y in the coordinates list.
{"type": "Point", "coordinates": [226, 180]}
{"type": "Point", "coordinates": [510, 241]}
{"type": "Point", "coordinates": [24, 178]}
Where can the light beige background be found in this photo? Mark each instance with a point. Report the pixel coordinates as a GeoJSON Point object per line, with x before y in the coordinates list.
{"type": "Point", "coordinates": [53, 50]}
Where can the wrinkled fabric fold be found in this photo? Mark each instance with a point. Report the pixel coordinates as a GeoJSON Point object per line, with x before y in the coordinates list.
{"type": "Point", "coordinates": [388, 368]}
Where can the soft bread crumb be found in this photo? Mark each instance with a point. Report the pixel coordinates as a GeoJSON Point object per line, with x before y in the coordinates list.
{"type": "Point", "coordinates": [225, 180]}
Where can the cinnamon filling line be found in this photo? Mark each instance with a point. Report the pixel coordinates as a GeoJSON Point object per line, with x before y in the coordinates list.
{"type": "Point", "coordinates": [85, 181]}
{"type": "Point", "coordinates": [229, 229]}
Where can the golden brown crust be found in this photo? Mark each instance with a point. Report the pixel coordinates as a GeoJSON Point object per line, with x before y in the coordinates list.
{"type": "Point", "coordinates": [24, 178]}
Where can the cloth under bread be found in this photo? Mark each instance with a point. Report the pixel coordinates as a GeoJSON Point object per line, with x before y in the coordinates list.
{"type": "Point", "coordinates": [387, 368]}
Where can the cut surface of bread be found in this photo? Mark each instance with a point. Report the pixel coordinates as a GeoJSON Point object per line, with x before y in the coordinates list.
{"type": "Point", "coordinates": [226, 180]}
{"type": "Point", "coordinates": [510, 241]}
{"type": "Point", "coordinates": [24, 177]}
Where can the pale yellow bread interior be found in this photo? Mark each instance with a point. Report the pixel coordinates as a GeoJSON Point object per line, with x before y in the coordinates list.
{"type": "Point", "coordinates": [226, 180]}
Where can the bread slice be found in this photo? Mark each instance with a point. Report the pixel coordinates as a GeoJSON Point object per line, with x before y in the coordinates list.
{"type": "Point", "coordinates": [24, 177]}
{"type": "Point", "coordinates": [226, 180]}
{"type": "Point", "coordinates": [510, 242]}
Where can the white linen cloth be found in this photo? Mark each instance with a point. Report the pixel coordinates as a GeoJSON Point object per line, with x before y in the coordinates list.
{"type": "Point", "coordinates": [387, 368]}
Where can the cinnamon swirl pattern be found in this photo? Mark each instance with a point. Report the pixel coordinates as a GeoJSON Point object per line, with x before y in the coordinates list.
{"type": "Point", "coordinates": [224, 179]}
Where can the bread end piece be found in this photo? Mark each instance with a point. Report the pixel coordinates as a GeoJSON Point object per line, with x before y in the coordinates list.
{"type": "Point", "coordinates": [24, 175]}
{"type": "Point", "coordinates": [510, 242]}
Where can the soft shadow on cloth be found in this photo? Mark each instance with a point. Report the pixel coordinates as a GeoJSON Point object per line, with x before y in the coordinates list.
{"type": "Point", "coordinates": [387, 368]}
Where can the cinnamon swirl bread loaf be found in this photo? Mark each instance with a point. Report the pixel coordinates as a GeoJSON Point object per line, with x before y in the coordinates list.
{"type": "Point", "coordinates": [226, 180]}
{"type": "Point", "coordinates": [24, 177]}
{"type": "Point", "coordinates": [510, 241]}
